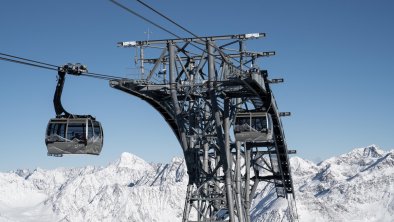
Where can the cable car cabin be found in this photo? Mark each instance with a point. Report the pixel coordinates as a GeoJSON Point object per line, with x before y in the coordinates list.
{"type": "Point", "coordinates": [74, 136]}
{"type": "Point", "coordinates": [253, 126]}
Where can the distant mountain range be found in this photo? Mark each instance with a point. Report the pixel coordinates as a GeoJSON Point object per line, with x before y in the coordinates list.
{"type": "Point", "coordinates": [357, 186]}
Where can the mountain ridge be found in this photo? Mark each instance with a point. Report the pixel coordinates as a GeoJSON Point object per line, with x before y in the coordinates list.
{"type": "Point", "coordinates": [358, 186]}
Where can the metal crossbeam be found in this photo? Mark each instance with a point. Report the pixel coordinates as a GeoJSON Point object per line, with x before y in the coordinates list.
{"type": "Point", "coordinates": [199, 57]}
{"type": "Point", "coordinates": [198, 39]}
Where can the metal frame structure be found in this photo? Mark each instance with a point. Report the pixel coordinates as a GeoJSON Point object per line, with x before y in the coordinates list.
{"type": "Point", "coordinates": [207, 83]}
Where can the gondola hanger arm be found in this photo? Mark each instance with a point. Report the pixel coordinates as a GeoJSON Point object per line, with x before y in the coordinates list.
{"type": "Point", "coordinates": [72, 69]}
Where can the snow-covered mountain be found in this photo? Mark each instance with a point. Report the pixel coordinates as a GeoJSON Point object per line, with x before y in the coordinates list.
{"type": "Point", "coordinates": [128, 189]}
{"type": "Point", "coordinates": [357, 186]}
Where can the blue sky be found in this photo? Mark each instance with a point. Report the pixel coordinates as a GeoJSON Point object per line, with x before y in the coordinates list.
{"type": "Point", "coordinates": [336, 57]}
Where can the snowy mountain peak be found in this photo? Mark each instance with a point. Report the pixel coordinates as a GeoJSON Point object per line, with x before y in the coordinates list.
{"type": "Point", "coordinates": [357, 157]}
{"type": "Point", "coordinates": [298, 162]}
{"type": "Point", "coordinates": [128, 160]}
{"type": "Point", "coordinates": [22, 172]}
{"type": "Point", "coordinates": [301, 167]}
{"type": "Point", "coordinates": [373, 151]}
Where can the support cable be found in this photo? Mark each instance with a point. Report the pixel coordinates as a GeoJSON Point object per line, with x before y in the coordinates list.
{"type": "Point", "coordinates": [185, 29]}
{"type": "Point", "coordinates": [143, 18]}
{"type": "Point", "coordinates": [16, 57]}
{"type": "Point", "coordinates": [26, 63]}
{"type": "Point", "coordinates": [167, 18]}
{"type": "Point", "coordinates": [166, 30]}
{"type": "Point", "coordinates": [104, 76]}
{"type": "Point", "coordinates": [43, 65]}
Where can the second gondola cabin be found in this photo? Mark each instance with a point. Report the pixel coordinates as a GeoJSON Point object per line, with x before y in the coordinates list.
{"type": "Point", "coordinates": [74, 136]}
{"type": "Point", "coordinates": [253, 127]}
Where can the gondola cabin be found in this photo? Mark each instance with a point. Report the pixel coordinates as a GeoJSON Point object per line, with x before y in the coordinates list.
{"type": "Point", "coordinates": [74, 136]}
{"type": "Point", "coordinates": [253, 126]}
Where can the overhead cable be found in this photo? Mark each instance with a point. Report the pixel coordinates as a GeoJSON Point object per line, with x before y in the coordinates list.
{"type": "Point", "coordinates": [143, 18]}
{"type": "Point", "coordinates": [43, 65]}
{"type": "Point", "coordinates": [166, 17]}
{"type": "Point", "coordinates": [190, 32]}
{"type": "Point", "coordinates": [179, 37]}
{"type": "Point", "coordinates": [16, 57]}
{"type": "Point", "coordinates": [26, 63]}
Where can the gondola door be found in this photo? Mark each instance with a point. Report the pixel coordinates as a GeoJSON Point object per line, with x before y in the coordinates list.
{"type": "Point", "coordinates": [76, 136]}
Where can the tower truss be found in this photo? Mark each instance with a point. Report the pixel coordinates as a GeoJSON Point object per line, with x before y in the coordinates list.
{"type": "Point", "coordinates": [199, 85]}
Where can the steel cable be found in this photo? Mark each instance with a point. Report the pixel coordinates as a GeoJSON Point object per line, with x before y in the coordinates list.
{"type": "Point", "coordinates": [16, 57]}
{"type": "Point", "coordinates": [166, 30]}
{"type": "Point", "coordinates": [26, 63]}
{"type": "Point", "coordinates": [190, 32]}
{"type": "Point", "coordinates": [143, 18]}
{"type": "Point", "coordinates": [43, 65]}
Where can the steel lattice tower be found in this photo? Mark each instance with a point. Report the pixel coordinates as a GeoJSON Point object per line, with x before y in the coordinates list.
{"type": "Point", "coordinates": [199, 85]}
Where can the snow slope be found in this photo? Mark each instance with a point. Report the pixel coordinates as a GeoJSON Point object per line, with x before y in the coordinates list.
{"type": "Point", "coordinates": [357, 186]}
{"type": "Point", "coordinates": [128, 189]}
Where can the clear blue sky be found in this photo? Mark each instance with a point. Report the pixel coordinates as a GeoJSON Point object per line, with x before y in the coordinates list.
{"type": "Point", "coordinates": [336, 57]}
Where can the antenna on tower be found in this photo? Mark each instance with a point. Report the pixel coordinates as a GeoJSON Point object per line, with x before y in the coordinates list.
{"type": "Point", "coordinates": [147, 33]}
{"type": "Point", "coordinates": [142, 68]}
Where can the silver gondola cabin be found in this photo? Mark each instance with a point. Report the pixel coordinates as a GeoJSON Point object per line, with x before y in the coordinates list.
{"type": "Point", "coordinates": [69, 133]}
{"type": "Point", "coordinates": [253, 126]}
{"type": "Point", "coordinates": [74, 136]}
